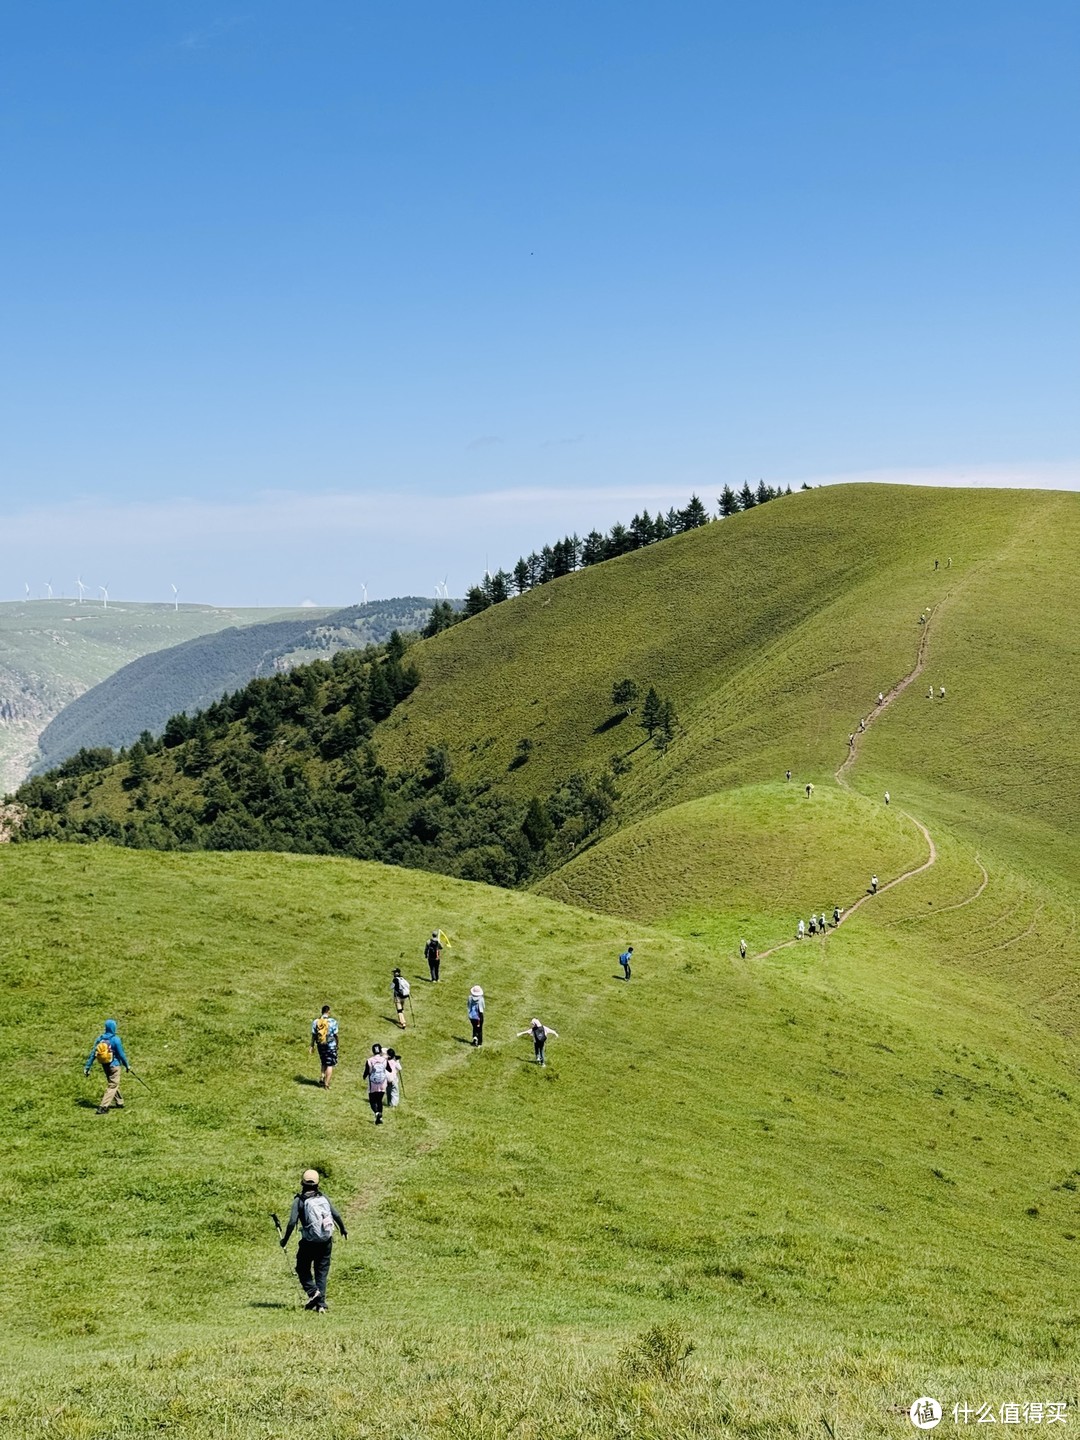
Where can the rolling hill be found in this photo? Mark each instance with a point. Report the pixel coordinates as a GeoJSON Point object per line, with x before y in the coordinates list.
{"type": "Point", "coordinates": [184, 678]}
{"type": "Point", "coordinates": [842, 1168]}
{"type": "Point", "coordinates": [52, 651]}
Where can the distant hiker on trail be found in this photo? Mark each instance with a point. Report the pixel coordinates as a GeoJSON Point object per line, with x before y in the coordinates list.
{"type": "Point", "coordinates": [948, 563]}
{"type": "Point", "coordinates": [809, 789]}
{"type": "Point", "coordinates": [375, 1073]}
{"type": "Point", "coordinates": [881, 697]}
{"type": "Point", "coordinates": [624, 961]}
{"type": "Point", "coordinates": [399, 988]}
{"type": "Point", "coordinates": [324, 1037]}
{"type": "Point", "coordinates": [433, 956]}
{"type": "Point", "coordinates": [822, 923]}
{"type": "Point", "coordinates": [851, 742]}
{"type": "Point", "coordinates": [836, 914]}
{"type": "Point", "coordinates": [475, 1009]}
{"type": "Point", "coordinates": [886, 797]}
{"type": "Point", "coordinates": [862, 726]}
{"type": "Point", "coordinates": [108, 1050]}
{"type": "Point", "coordinates": [930, 693]}
{"type": "Point", "coordinates": [802, 928]}
{"type": "Point", "coordinates": [935, 564]}
{"type": "Point", "coordinates": [873, 884]}
{"type": "Point", "coordinates": [742, 948]}
{"type": "Point", "coordinates": [539, 1035]}
{"type": "Point", "coordinates": [813, 924]}
{"type": "Point", "coordinates": [393, 1076]}
{"type": "Point", "coordinates": [316, 1216]}
{"type": "Point", "coordinates": [787, 774]}
{"type": "Point", "coordinates": [941, 692]}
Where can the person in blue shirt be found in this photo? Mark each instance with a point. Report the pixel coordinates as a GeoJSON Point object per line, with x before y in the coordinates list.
{"type": "Point", "coordinates": [624, 960]}
{"type": "Point", "coordinates": [108, 1050]}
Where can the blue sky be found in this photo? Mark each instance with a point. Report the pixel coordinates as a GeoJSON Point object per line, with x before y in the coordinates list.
{"type": "Point", "coordinates": [297, 297]}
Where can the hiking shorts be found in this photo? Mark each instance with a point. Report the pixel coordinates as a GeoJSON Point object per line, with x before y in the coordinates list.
{"type": "Point", "coordinates": [328, 1054]}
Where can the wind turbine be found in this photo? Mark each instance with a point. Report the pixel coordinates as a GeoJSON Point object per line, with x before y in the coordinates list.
{"type": "Point", "coordinates": [28, 590]}
{"type": "Point", "coordinates": [104, 596]}
{"type": "Point", "coordinates": [175, 602]}
{"type": "Point", "coordinates": [363, 587]}
{"type": "Point", "coordinates": [48, 587]}
{"type": "Point", "coordinates": [82, 587]}
{"type": "Point", "coordinates": [445, 590]}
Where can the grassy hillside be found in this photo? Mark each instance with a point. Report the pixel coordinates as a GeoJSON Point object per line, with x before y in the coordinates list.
{"type": "Point", "coordinates": [846, 1172]}
{"type": "Point", "coordinates": [185, 678]}
{"type": "Point", "coordinates": [51, 651]}
{"type": "Point", "coordinates": [772, 632]}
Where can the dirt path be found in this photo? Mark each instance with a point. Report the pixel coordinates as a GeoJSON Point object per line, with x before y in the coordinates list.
{"type": "Point", "coordinates": [842, 780]}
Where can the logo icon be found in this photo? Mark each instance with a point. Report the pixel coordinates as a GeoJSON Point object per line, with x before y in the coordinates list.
{"type": "Point", "coordinates": [925, 1413]}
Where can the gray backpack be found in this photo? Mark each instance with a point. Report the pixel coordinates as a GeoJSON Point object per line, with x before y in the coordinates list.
{"type": "Point", "coordinates": [316, 1218]}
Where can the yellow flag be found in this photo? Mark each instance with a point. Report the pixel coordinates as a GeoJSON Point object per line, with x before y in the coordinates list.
{"type": "Point", "coordinates": [444, 939]}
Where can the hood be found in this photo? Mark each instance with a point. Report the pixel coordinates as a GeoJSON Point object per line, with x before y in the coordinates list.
{"type": "Point", "coordinates": [110, 1027]}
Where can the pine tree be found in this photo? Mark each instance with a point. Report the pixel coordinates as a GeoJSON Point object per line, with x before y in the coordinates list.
{"type": "Point", "coordinates": [651, 710]}
{"type": "Point", "coordinates": [666, 722]}
{"type": "Point", "coordinates": [728, 502]}
{"type": "Point", "coordinates": [593, 549]}
{"type": "Point", "coordinates": [521, 577]}
{"type": "Point", "coordinates": [624, 693]}
{"type": "Point", "coordinates": [762, 494]}
{"type": "Point", "coordinates": [536, 826]}
{"type": "Point", "coordinates": [475, 600]}
{"type": "Point", "coordinates": [747, 498]}
{"type": "Point", "coordinates": [695, 515]}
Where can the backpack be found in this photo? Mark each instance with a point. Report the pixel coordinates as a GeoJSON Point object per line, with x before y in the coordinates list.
{"type": "Point", "coordinates": [316, 1218]}
{"type": "Point", "coordinates": [377, 1073]}
{"type": "Point", "coordinates": [401, 987]}
{"type": "Point", "coordinates": [103, 1051]}
{"type": "Point", "coordinates": [431, 950]}
{"type": "Point", "coordinates": [539, 1033]}
{"type": "Point", "coordinates": [322, 1029]}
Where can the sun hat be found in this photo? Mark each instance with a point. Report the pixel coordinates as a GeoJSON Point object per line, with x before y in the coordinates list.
{"type": "Point", "coordinates": [310, 1177]}
{"type": "Point", "coordinates": [476, 990]}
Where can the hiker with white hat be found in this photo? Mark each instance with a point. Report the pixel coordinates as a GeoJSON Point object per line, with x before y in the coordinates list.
{"type": "Point", "coordinates": [316, 1216]}
{"type": "Point", "coordinates": [475, 1009]}
{"type": "Point", "coordinates": [539, 1035]}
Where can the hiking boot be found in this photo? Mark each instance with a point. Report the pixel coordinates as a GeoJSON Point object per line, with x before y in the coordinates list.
{"type": "Point", "coordinates": [102, 1110]}
{"type": "Point", "coordinates": [378, 1119]}
{"type": "Point", "coordinates": [322, 1309]}
{"type": "Point", "coordinates": [314, 1301]}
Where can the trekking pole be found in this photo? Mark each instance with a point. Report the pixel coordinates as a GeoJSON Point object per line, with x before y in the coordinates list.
{"type": "Point", "coordinates": [412, 1012]}
{"type": "Point", "coordinates": [281, 1236]}
{"type": "Point", "coordinates": [141, 1081]}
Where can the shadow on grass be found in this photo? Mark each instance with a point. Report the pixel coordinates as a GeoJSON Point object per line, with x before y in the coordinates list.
{"type": "Point", "coordinates": [461, 1040]}
{"type": "Point", "coordinates": [269, 1305]}
{"type": "Point", "coordinates": [83, 1104]}
{"type": "Point", "coordinates": [392, 1020]}
{"type": "Point", "coordinates": [307, 1080]}
{"type": "Point", "coordinates": [609, 724]}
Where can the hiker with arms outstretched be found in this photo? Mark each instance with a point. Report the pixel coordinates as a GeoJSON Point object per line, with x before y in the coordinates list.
{"type": "Point", "coordinates": [108, 1051]}
{"type": "Point", "coordinates": [316, 1217]}
{"type": "Point", "coordinates": [539, 1035]}
{"type": "Point", "coordinates": [324, 1038]}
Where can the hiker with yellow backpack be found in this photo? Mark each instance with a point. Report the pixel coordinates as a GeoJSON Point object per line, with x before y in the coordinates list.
{"type": "Point", "coordinates": [108, 1051]}
{"type": "Point", "coordinates": [324, 1036]}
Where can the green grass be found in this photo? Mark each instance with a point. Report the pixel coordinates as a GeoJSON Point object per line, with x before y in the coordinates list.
{"type": "Point", "coordinates": [53, 650]}
{"type": "Point", "coordinates": [845, 1173]}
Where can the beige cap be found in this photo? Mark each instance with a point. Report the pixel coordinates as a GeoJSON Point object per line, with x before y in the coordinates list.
{"type": "Point", "coordinates": [310, 1177]}
{"type": "Point", "coordinates": [476, 990]}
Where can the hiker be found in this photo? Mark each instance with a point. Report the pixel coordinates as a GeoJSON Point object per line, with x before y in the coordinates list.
{"type": "Point", "coordinates": [375, 1073]}
{"type": "Point", "coordinates": [475, 1008]}
{"type": "Point", "coordinates": [881, 697]}
{"type": "Point", "coordinates": [108, 1050]}
{"type": "Point", "coordinates": [316, 1216]}
{"type": "Point", "coordinates": [742, 948]}
{"type": "Point", "coordinates": [809, 789]}
{"type": "Point", "coordinates": [851, 742]}
{"type": "Point", "coordinates": [787, 774]}
{"type": "Point", "coordinates": [393, 1077]}
{"type": "Point", "coordinates": [433, 956]}
{"type": "Point", "coordinates": [941, 692]}
{"type": "Point", "coordinates": [836, 914]}
{"type": "Point", "coordinates": [813, 924]}
{"type": "Point", "coordinates": [400, 989]}
{"type": "Point", "coordinates": [935, 564]}
{"type": "Point", "coordinates": [873, 884]}
{"type": "Point", "coordinates": [324, 1037]}
{"type": "Point", "coordinates": [802, 929]}
{"type": "Point", "coordinates": [948, 563]}
{"type": "Point", "coordinates": [930, 693]}
{"type": "Point", "coordinates": [822, 925]}
{"type": "Point", "coordinates": [539, 1035]}
{"type": "Point", "coordinates": [862, 726]}
{"type": "Point", "coordinates": [886, 797]}
{"type": "Point", "coordinates": [624, 961]}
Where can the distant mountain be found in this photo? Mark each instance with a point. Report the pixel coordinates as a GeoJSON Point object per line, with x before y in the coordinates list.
{"type": "Point", "coordinates": [188, 677]}
{"type": "Point", "coordinates": [51, 651]}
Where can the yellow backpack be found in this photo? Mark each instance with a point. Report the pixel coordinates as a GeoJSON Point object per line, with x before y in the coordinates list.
{"type": "Point", "coordinates": [322, 1029]}
{"type": "Point", "coordinates": [103, 1052]}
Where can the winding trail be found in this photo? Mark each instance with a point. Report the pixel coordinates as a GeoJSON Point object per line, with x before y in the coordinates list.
{"type": "Point", "coordinates": [842, 780]}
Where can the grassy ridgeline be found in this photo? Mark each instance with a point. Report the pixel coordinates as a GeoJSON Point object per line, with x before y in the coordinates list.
{"type": "Point", "coordinates": [845, 1172]}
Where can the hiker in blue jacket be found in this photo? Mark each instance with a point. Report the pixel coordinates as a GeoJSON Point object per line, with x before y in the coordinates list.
{"type": "Point", "coordinates": [108, 1050]}
{"type": "Point", "coordinates": [624, 960]}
